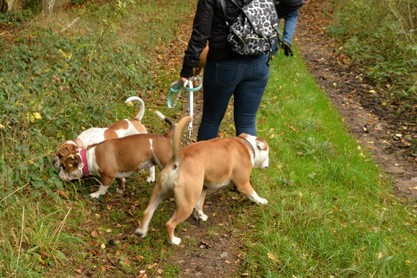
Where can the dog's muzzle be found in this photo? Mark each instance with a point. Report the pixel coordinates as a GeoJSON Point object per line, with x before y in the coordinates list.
{"type": "Point", "coordinates": [56, 162]}
{"type": "Point", "coordinates": [265, 164]}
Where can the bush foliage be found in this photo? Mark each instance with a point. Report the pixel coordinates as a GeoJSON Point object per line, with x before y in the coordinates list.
{"type": "Point", "coordinates": [382, 36]}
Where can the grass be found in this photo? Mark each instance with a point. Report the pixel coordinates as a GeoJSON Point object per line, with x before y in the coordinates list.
{"type": "Point", "coordinates": [331, 211]}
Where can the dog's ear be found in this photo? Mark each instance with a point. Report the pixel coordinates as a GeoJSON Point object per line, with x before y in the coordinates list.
{"type": "Point", "coordinates": [261, 144]}
{"type": "Point", "coordinates": [66, 150]}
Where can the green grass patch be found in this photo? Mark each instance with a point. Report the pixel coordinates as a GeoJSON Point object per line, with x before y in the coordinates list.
{"type": "Point", "coordinates": [331, 212]}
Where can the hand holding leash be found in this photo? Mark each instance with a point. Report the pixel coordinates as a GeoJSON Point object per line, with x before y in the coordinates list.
{"type": "Point", "coordinates": [187, 85]}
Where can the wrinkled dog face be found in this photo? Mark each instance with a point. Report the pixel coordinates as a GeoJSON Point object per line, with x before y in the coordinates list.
{"type": "Point", "coordinates": [262, 153]}
{"type": "Point", "coordinates": [66, 149]}
{"type": "Point", "coordinates": [261, 149]}
{"type": "Point", "coordinates": [68, 161]}
{"type": "Point", "coordinates": [71, 168]}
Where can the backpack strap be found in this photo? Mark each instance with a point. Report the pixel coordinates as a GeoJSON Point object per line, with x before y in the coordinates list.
{"type": "Point", "coordinates": [223, 4]}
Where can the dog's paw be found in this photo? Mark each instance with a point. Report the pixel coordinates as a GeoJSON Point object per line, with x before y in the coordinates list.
{"type": "Point", "coordinates": [200, 215]}
{"type": "Point", "coordinates": [255, 198]}
{"type": "Point", "coordinates": [120, 191]}
{"type": "Point", "coordinates": [95, 194]}
{"type": "Point", "coordinates": [141, 232]}
{"type": "Point", "coordinates": [175, 241]}
{"type": "Point", "coordinates": [262, 201]}
{"type": "Point", "coordinates": [150, 179]}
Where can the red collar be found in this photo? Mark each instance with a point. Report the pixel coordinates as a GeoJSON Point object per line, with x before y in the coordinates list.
{"type": "Point", "coordinates": [84, 161]}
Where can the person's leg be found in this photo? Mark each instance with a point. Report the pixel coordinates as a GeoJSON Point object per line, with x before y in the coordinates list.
{"type": "Point", "coordinates": [248, 95]}
{"type": "Point", "coordinates": [219, 82]}
{"type": "Point", "coordinates": [289, 27]}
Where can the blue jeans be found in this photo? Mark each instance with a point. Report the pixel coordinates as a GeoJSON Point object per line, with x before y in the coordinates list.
{"type": "Point", "coordinates": [245, 79]}
{"type": "Point", "coordinates": [290, 22]}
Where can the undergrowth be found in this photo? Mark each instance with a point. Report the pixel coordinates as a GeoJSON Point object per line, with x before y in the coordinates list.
{"type": "Point", "coordinates": [61, 74]}
{"type": "Point", "coordinates": [381, 36]}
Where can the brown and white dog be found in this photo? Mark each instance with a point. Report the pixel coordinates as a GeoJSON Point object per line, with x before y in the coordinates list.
{"type": "Point", "coordinates": [119, 158]}
{"type": "Point", "coordinates": [203, 166]}
{"type": "Point", "coordinates": [96, 135]}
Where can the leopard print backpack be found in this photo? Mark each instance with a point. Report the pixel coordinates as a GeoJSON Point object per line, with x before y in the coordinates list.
{"type": "Point", "coordinates": [255, 30]}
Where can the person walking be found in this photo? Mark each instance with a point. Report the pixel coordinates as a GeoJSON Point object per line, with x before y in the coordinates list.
{"type": "Point", "coordinates": [288, 11]}
{"type": "Point", "coordinates": [226, 73]}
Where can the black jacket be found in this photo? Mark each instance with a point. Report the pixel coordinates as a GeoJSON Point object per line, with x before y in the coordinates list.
{"type": "Point", "coordinates": [210, 25]}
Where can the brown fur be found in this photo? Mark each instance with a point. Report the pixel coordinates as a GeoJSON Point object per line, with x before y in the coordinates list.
{"type": "Point", "coordinates": [203, 57]}
{"type": "Point", "coordinates": [197, 168]}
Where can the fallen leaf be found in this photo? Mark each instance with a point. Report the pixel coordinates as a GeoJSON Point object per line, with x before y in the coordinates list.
{"type": "Point", "coordinates": [142, 274]}
{"type": "Point", "coordinates": [125, 245]}
{"type": "Point", "coordinates": [272, 258]}
{"type": "Point", "coordinates": [62, 193]}
{"type": "Point", "coordinates": [125, 261]}
{"type": "Point", "coordinates": [140, 258]}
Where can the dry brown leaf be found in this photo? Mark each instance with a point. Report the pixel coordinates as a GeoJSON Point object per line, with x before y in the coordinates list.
{"type": "Point", "coordinates": [272, 258]}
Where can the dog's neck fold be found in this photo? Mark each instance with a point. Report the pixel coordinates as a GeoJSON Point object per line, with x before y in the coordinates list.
{"type": "Point", "coordinates": [252, 152]}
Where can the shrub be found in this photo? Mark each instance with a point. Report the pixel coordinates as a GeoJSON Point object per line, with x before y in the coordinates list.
{"type": "Point", "coordinates": [382, 36]}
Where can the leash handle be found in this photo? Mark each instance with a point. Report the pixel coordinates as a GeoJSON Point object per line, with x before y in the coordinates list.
{"type": "Point", "coordinates": [188, 85]}
{"type": "Point", "coordinates": [174, 89]}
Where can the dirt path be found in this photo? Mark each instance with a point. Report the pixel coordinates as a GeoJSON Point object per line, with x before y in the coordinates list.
{"type": "Point", "coordinates": [380, 124]}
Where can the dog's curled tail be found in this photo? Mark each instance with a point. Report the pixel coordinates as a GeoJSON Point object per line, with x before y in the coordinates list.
{"type": "Point", "coordinates": [141, 112]}
{"type": "Point", "coordinates": [176, 144]}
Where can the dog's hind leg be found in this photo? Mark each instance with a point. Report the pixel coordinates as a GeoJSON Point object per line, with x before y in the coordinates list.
{"type": "Point", "coordinates": [158, 195]}
{"type": "Point", "coordinates": [185, 200]}
{"type": "Point", "coordinates": [198, 209]}
{"type": "Point", "coordinates": [182, 212]}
